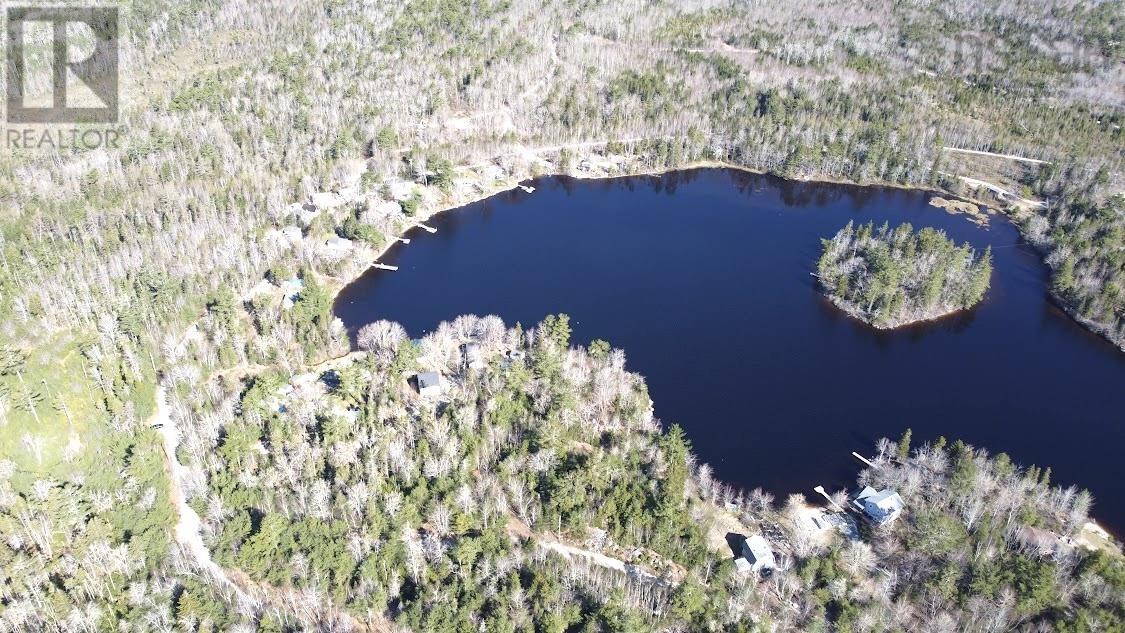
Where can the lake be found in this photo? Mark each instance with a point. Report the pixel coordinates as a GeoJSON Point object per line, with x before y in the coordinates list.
{"type": "Point", "coordinates": [703, 277]}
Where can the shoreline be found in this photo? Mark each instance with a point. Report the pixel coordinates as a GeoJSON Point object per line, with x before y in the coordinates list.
{"type": "Point", "coordinates": [508, 185]}
{"type": "Point", "coordinates": [423, 216]}
{"type": "Point", "coordinates": [455, 205]}
{"type": "Point", "coordinates": [855, 313]}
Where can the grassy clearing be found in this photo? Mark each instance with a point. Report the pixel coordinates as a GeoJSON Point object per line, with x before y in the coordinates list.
{"type": "Point", "coordinates": [64, 419]}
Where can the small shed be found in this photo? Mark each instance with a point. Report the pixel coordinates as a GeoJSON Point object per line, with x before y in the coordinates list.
{"type": "Point", "coordinates": [430, 385]}
{"type": "Point", "coordinates": [757, 552]}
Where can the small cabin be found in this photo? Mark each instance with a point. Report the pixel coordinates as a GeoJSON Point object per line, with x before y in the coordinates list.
{"type": "Point", "coordinates": [430, 385]}
{"type": "Point", "coordinates": [881, 506]}
{"type": "Point", "coordinates": [758, 554]}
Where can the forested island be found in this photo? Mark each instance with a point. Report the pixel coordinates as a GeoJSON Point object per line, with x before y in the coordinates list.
{"type": "Point", "coordinates": [890, 278]}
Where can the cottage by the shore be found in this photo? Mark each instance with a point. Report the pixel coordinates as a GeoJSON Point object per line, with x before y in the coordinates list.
{"type": "Point", "coordinates": [881, 506]}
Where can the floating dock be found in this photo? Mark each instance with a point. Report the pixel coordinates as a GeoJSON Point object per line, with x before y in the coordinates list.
{"type": "Point", "coordinates": [427, 228]}
{"type": "Point", "coordinates": [384, 266]}
{"type": "Point", "coordinates": [527, 188]}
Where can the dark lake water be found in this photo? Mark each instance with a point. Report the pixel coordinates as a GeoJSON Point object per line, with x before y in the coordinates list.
{"type": "Point", "coordinates": [703, 278]}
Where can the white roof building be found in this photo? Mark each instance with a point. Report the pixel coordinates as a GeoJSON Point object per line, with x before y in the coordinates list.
{"type": "Point", "coordinates": [335, 248]}
{"type": "Point", "coordinates": [326, 199]}
{"type": "Point", "coordinates": [401, 190]}
{"type": "Point", "coordinates": [291, 291]}
{"type": "Point", "coordinates": [430, 385]}
{"type": "Point", "coordinates": [291, 234]}
{"type": "Point", "coordinates": [493, 173]}
{"type": "Point", "coordinates": [338, 243]}
{"type": "Point", "coordinates": [757, 552]}
{"type": "Point", "coordinates": [380, 209]}
{"type": "Point", "coordinates": [881, 506]}
{"type": "Point", "coordinates": [474, 357]}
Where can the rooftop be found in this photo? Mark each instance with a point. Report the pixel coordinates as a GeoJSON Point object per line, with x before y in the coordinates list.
{"type": "Point", "coordinates": [429, 379]}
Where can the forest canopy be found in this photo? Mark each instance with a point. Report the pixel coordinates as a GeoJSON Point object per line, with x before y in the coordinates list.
{"type": "Point", "coordinates": [272, 149]}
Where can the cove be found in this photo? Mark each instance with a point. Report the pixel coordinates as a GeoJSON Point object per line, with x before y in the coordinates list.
{"type": "Point", "coordinates": [703, 278]}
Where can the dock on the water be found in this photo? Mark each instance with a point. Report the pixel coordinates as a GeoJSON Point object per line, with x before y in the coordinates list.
{"type": "Point", "coordinates": [822, 492]}
{"type": "Point", "coordinates": [527, 188]}
{"type": "Point", "coordinates": [384, 266]}
{"type": "Point", "coordinates": [404, 240]}
{"type": "Point", "coordinates": [427, 228]}
{"type": "Point", "coordinates": [862, 459]}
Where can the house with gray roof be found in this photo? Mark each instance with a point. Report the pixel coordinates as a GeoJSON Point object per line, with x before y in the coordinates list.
{"type": "Point", "coordinates": [430, 385]}
{"type": "Point", "coordinates": [758, 554]}
{"type": "Point", "coordinates": [881, 506]}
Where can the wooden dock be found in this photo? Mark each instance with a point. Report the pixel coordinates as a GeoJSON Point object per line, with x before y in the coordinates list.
{"type": "Point", "coordinates": [384, 266]}
{"type": "Point", "coordinates": [427, 228]}
{"type": "Point", "coordinates": [862, 459]}
{"type": "Point", "coordinates": [404, 240]}
{"type": "Point", "coordinates": [823, 493]}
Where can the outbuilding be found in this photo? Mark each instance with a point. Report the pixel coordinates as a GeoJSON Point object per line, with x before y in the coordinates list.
{"type": "Point", "coordinates": [430, 385]}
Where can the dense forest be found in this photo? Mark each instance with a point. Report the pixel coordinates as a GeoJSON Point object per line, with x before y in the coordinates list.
{"type": "Point", "coordinates": [273, 148]}
{"type": "Point", "coordinates": [890, 278]}
{"type": "Point", "coordinates": [535, 491]}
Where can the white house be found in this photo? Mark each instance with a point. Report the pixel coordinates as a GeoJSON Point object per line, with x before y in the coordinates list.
{"type": "Point", "coordinates": [430, 385]}
{"type": "Point", "coordinates": [337, 243]}
{"type": "Point", "coordinates": [881, 506]}
{"type": "Point", "coordinates": [492, 173]}
{"type": "Point", "coordinates": [326, 199]}
{"type": "Point", "coordinates": [474, 357]}
{"type": "Point", "coordinates": [291, 291]}
{"type": "Point", "coordinates": [758, 553]}
{"type": "Point", "coordinates": [291, 235]}
{"type": "Point", "coordinates": [335, 248]}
